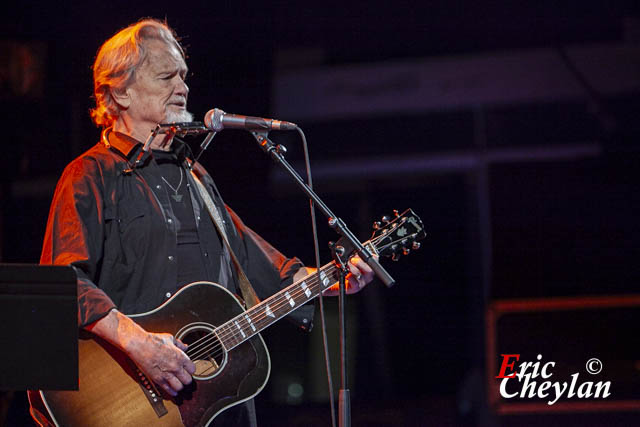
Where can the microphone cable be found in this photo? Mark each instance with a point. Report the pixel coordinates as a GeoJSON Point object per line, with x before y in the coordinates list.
{"type": "Point", "coordinates": [325, 344]}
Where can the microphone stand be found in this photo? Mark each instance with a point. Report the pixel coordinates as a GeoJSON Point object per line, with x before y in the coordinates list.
{"type": "Point", "coordinates": [347, 241]}
{"type": "Point", "coordinates": [344, 396]}
{"type": "Point", "coordinates": [276, 152]}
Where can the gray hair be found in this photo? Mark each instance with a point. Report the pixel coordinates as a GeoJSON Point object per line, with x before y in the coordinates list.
{"type": "Point", "coordinates": [117, 60]}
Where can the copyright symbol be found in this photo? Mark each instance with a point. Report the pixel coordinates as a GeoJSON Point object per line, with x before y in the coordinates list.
{"type": "Point", "coordinates": [594, 366]}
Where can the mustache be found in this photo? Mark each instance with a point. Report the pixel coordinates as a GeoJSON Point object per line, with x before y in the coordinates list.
{"type": "Point", "coordinates": [178, 101]}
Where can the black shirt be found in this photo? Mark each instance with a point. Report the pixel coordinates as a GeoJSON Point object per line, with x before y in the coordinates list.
{"type": "Point", "coordinates": [191, 265]}
{"type": "Point", "coordinates": [118, 227]}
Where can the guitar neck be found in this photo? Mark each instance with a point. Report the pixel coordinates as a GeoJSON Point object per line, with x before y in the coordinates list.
{"type": "Point", "coordinates": [244, 326]}
{"type": "Point", "coordinates": [392, 239]}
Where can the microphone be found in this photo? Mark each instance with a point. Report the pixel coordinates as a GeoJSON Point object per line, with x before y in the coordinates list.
{"type": "Point", "coordinates": [217, 120]}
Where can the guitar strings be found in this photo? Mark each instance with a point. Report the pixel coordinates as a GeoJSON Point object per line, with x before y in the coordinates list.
{"type": "Point", "coordinates": [228, 327]}
{"type": "Point", "coordinates": [205, 348]}
{"type": "Point", "coordinates": [227, 330]}
{"type": "Point", "coordinates": [202, 346]}
{"type": "Point", "coordinates": [277, 301]}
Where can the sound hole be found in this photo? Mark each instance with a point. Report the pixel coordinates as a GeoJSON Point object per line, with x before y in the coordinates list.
{"type": "Point", "coordinates": [205, 350]}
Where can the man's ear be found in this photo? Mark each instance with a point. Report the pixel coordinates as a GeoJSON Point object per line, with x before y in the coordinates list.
{"type": "Point", "coordinates": [122, 96]}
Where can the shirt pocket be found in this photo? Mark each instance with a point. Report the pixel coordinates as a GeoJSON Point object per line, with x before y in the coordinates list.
{"type": "Point", "coordinates": [132, 222]}
{"type": "Point", "coordinates": [130, 216]}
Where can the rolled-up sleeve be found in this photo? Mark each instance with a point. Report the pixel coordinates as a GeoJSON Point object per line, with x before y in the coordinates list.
{"type": "Point", "coordinates": [75, 234]}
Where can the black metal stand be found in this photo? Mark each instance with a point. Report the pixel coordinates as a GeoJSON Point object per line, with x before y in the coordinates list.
{"type": "Point", "coordinates": [276, 152]}
{"type": "Point", "coordinates": [344, 246]}
{"type": "Point", "coordinates": [344, 396]}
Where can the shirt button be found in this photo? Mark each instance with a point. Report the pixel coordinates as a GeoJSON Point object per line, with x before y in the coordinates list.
{"type": "Point", "coordinates": [168, 295]}
{"type": "Point", "coordinates": [170, 257]}
{"type": "Point", "coordinates": [206, 253]}
{"type": "Point", "coordinates": [198, 217]}
{"type": "Point", "coordinates": [169, 220]}
{"type": "Point", "coordinates": [158, 186]}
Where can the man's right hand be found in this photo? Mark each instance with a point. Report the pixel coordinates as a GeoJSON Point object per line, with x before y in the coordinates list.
{"type": "Point", "coordinates": [160, 356]}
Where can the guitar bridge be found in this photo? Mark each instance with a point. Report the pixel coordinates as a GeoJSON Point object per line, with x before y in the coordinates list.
{"type": "Point", "coordinates": [151, 393]}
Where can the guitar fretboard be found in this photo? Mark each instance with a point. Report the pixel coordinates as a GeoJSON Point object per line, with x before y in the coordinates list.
{"type": "Point", "coordinates": [246, 325]}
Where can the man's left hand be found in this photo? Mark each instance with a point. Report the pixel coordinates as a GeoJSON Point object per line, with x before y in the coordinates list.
{"type": "Point", "coordinates": [360, 275]}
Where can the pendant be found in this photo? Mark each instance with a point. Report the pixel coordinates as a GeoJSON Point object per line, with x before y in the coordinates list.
{"type": "Point", "coordinates": [177, 197]}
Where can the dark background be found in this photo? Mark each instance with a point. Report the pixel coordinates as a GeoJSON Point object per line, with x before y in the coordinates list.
{"type": "Point", "coordinates": [516, 229]}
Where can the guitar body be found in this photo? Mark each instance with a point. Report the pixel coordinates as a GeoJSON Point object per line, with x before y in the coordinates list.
{"type": "Point", "coordinates": [112, 391]}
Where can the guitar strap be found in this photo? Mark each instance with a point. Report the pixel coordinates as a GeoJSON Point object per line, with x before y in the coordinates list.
{"type": "Point", "coordinates": [249, 295]}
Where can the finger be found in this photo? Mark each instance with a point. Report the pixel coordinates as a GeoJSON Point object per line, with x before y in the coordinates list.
{"type": "Point", "coordinates": [190, 367]}
{"type": "Point", "coordinates": [355, 272]}
{"type": "Point", "coordinates": [166, 386]}
{"type": "Point", "coordinates": [361, 265]}
{"type": "Point", "coordinates": [353, 285]}
{"type": "Point", "coordinates": [183, 359]}
{"type": "Point", "coordinates": [181, 366]}
{"type": "Point", "coordinates": [175, 383]}
{"type": "Point", "coordinates": [170, 391]}
{"type": "Point", "coordinates": [184, 376]}
{"type": "Point", "coordinates": [185, 363]}
{"type": "Point", "coordinates": [182, 346]}
{"type": "Point", "coordinates": [354, 282]}
{"type": "Point", "coordinates": [363, 268]}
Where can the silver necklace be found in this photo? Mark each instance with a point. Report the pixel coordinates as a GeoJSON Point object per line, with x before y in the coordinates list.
{"type": "Point", "coordinates": [177, 197]}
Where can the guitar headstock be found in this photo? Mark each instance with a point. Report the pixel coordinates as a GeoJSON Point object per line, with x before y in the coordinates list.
{"type": "Point", "coordinates": [398, 235]}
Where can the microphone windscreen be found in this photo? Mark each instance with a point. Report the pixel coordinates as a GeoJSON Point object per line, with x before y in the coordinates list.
{"type": "Point", "coordinates": [213, 119]}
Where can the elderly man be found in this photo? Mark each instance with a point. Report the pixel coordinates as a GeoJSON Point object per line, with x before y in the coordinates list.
{"type": "Point", "coordinates": [137, 235]}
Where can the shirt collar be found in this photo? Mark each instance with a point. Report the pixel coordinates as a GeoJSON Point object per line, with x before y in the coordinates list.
{"type": "Point", "coordinates": [123, 143]}
{"type": "Point", "coordinates": [129, 147]}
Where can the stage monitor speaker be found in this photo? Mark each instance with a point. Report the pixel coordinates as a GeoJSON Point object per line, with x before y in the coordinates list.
{"type": "Point", "coordinates": [39, 335]}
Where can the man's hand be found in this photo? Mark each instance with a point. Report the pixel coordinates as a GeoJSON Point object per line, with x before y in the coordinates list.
{"type": "Point", "coordinates": [360, 275]}
{"type": "Point", "coordinates": [160, 356]}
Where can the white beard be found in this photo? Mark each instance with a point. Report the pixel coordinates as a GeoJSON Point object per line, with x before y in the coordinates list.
{"type": "Point", "coordinates": [183, 116]}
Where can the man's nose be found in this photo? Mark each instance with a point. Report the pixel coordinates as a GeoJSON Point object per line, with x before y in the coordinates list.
{"type": "Point", "coordinates": [182, 88]}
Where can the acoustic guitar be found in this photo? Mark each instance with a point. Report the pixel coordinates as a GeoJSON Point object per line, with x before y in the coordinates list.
{"type": "Point", "coordinates": [232, 361]}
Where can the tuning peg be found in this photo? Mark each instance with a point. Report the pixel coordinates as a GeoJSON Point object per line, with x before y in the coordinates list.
{"type": "Point", "coordinates": [396, 213]}
{"type": "Point", "coordinates": [377, 225]}
{"type": "Point", "coordinates": [415, 246]}
{"type": "Point", "coordinates": [406, 251]}
{"type": "Point", "coordinates": [386, 219]}
{"type": "Point", "coordinates": [395, 257]}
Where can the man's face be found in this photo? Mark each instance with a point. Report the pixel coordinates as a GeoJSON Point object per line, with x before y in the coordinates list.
{"type": "Point", "coordinates": [159, 93]}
